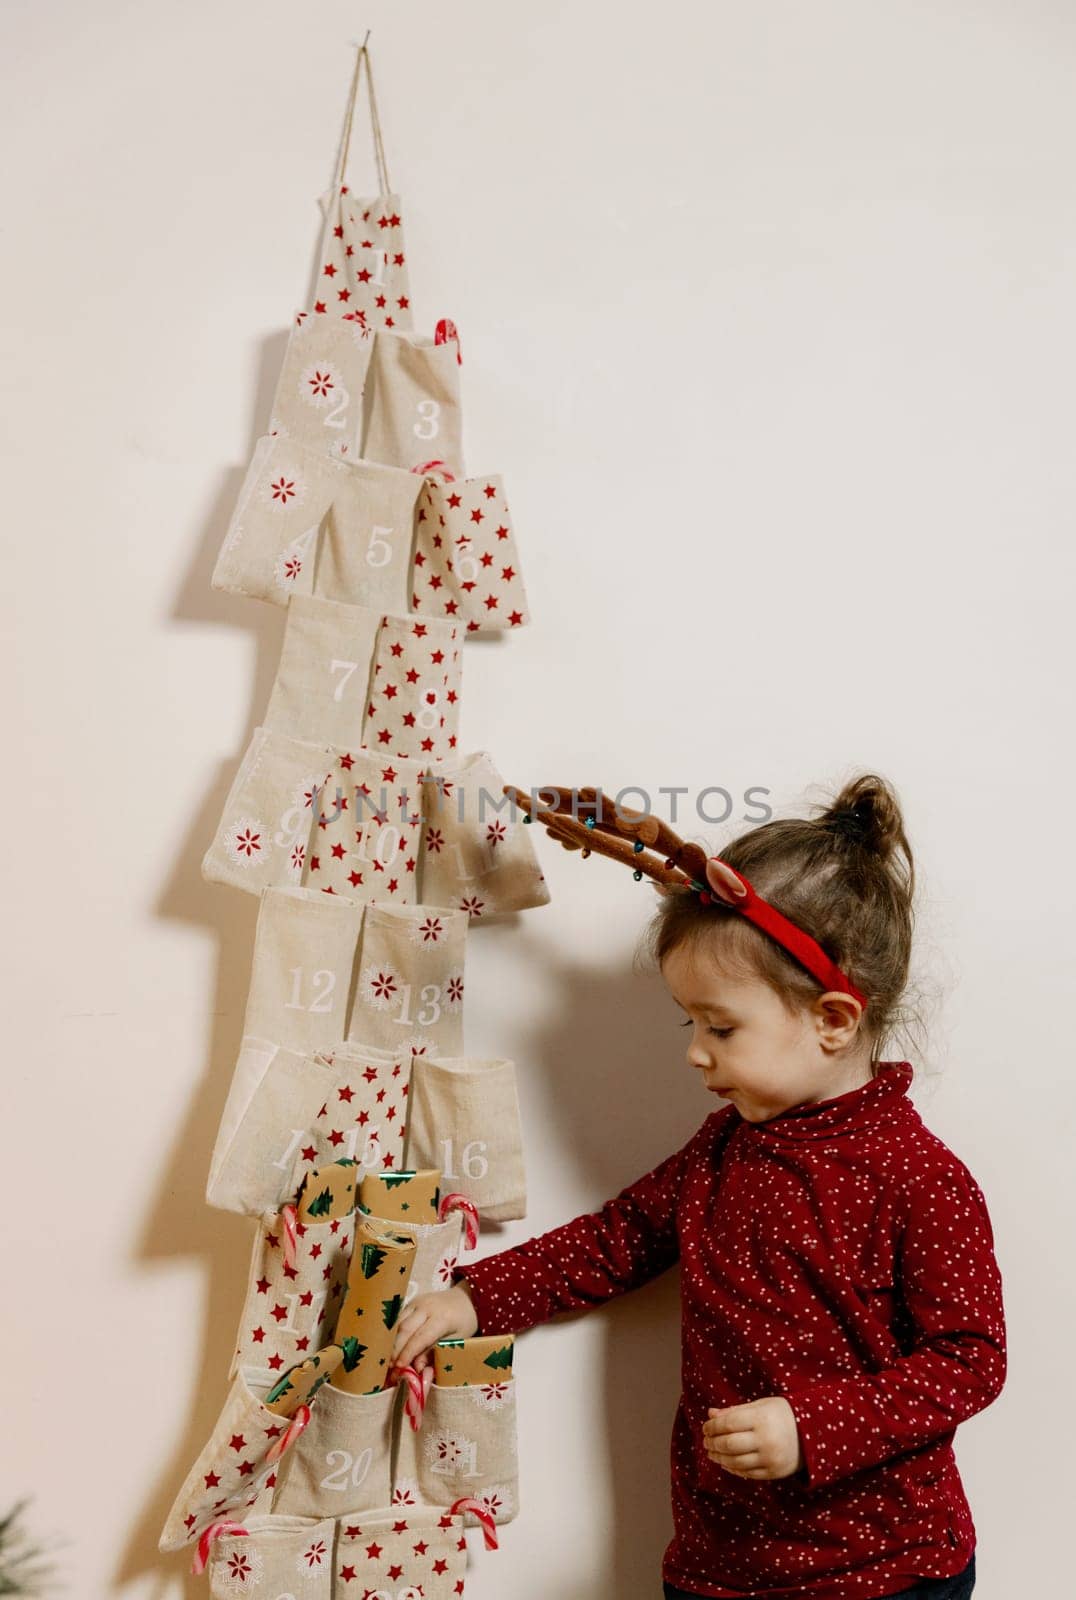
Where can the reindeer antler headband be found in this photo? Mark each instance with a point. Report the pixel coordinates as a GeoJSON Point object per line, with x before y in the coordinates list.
{"type": "Point", "coordinates": [578, 819]}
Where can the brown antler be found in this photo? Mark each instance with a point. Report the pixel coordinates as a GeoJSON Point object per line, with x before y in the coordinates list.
{"type": "Point", "coordinates": [584, 819]}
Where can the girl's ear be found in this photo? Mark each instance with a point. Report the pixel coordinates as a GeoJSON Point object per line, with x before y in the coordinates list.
{"type": "Point", "coordinates": [724, 882]}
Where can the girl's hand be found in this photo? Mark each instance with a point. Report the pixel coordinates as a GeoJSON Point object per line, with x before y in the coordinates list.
{"type": "Point", "coordinates": [447, 1314]}
{"type": "Point", "coordinates": [756, 1440]}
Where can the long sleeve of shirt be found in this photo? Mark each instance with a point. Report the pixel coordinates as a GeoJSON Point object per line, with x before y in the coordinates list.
{"type": "Point", "coordinates": [587, 1261]}
{"type": "Point", "coordinates": [951, 1289]}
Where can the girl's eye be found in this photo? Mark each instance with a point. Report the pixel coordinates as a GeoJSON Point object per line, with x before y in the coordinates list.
{"type": "Point", "coordinates": [722, 1033]}
{"type": "Point", "coordinates": [687, 1023]}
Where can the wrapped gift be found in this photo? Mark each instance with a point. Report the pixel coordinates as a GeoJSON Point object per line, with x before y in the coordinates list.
{"type": "Point", "coordinates": [328, 1192]}
{"type": "Point", "coordinates": [298, 1386]}
{"type": "Point", "coordinates": [380, 1271]}
{"type": "Point", "coordinates": [402, 1196]}
{"type": "Point", "coordinates": [462, 1362]}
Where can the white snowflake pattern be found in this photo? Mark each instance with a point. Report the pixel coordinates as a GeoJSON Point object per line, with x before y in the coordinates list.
{"type": "Point", "coordinates": [313, 1557]}
{"type": "Point", "coordinates": [416, 1045]}
{"type": "Point", "coordinates": [493, 1396]}
{"type": "Point", "coordinates": [379, 988]}
{"type": "Point", "coordinates": [284, 488]}
{"type": "Point", "coordinates": [497, 1500]}
{"type": "Point", "coordinates": [319, 385]}
{"type": "Point", "coordinates": [472, 904]}
{"type": "Point", "coordinates": [288, 567]}
{"type": "Point", "coordinates": [405, 1492]}
{"type": "Point", "coordinates": [239, 1571]}
{"type": "Point", "coordinates": [446, 1452]}
{"type": "Point", "coordinates": [247, 841]}
{"type": "Point", "coordinates": [296, 857]}
{"type": "Point", "coordinates": [429, 930]}
{"type": "Point", "coordinates": [452, 992]}
{"type": "Point", "coordinates": [496, 833]}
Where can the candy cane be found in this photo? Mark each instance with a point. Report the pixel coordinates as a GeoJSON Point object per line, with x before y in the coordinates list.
{"type": "Point", "coordinates": [287, 1218]}
{"type": "Point", "coordinates": [446, 331]}
{"type": "Point", "coordinates": [417, 1390]}
{"type": "Point", "coordinates": [477, 1509]}
{"type": "Point", "coordinates": [214, 1531]}
{"type": "Point", "coordinates": [460, 1202]}
{"type": "Point", "coordinates": [434, 469]}
{"type": "Point", "coordinates": [285, 1440]}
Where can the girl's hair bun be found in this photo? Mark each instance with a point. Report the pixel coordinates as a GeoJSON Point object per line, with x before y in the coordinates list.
{"type": "Point", "coordinates": [867, 813]}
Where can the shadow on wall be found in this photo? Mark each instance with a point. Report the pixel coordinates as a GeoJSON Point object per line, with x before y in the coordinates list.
{"type": "Point", "coordinates": [180, 1224]}
{"type": "Point", "coordinates": [621, 1098]}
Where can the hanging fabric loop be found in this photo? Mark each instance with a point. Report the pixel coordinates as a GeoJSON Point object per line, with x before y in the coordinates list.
{"type": "Point", "coordinates": [362, 59]}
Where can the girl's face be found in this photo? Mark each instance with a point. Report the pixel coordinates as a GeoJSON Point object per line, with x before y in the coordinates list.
{"type": "Point", "coordinates": [750, 1049]}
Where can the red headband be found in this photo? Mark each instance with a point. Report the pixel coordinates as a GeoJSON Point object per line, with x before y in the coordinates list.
{"type": "Point", "coordinates": [731, 888]}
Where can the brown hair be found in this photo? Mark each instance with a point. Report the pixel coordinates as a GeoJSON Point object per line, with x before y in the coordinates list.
{"type": "Point", "coordinates": [846, 877]}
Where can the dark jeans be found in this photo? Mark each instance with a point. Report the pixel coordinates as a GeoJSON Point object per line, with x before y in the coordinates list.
{"type": "Point", "coordinates": [958, 1587]}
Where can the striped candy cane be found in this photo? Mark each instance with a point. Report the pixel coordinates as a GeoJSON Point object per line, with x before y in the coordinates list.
{"type": "Point", "coordinates": [460, 1202]}
{"type": "Point", "coordinates": [434, 469]}
{"type": "Point", "coordinates": [444, 333]}
{"type": "Point", "coordinates": [285, 1440]}
{"type": "Point", "coordinates": [214, 1531]}
{"type": "Point", "coordinates": [478, 1510]}
{"type": "Point", "coordinates": [290, 1228]}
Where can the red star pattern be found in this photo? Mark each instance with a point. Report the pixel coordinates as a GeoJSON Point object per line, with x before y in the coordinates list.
{"type": "Point", "coordinates": [373, 811]}
{"type": "Point", "coordinates": [359, 231]}
{"type": "Point", "coordinates": [285, 1320]}
{"type": "Point", "coordinates": [466, 565]}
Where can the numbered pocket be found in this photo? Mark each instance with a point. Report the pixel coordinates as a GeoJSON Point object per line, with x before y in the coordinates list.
{"type": "Point", "coordinates": [362, 265]}
{"type": "Point", "coordinates": [463, 1118]}
{"type": "Point", "coordinates": [304, 953]}
{"type": "Point", "coordinates": [438, 1248]}
{"type": "Point", "coordinates": [411, 406]}
{"type": "Point", "coordinates": [279, 1558]}
{"type": "Point", "coordinates": [342, 1463]}
{"type": "Point", "coordinates": [407, 1553]}
{"type": "Point", "coordinates": [477, 852]}
{"type": "Point", "coordinates": [362, 1117]}
{"type": "Point", "coordinates": [275, 1097]}
{"type": "Point", "coordinates": [413, 704]}
{"type": "Point", "coordinates": [264, 835]}
{"type": "Point", "coordinates": [367, 833]}
{"type": "Point", "coordinates": [365, 550]}
{"type": "Point", "coordinates": [318, 399]}
{"type": "Point", "coordinates": [297, 1278]}
{"type": "Point", "coordinates": [233, 1472]}
{"type": "Point", "coordinates": [409, 988]}
{"type": "Point", "coordinates": [271, 546]}
{"type": "Point", "coordinates": [467, 564]}
{"type": "Point", "coordinates": [466, 1447]}
{"type": "Point", "coordinates": [323, 678]}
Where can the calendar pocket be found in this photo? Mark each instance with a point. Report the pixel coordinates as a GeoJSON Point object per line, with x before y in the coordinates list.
{"type": "Point", "coordinates": [270, 549]}
{"type": "Point", "coordinates": [343, 1462]}
{"type": "Point", "coordinates": [363, 1117]}
{"type": "Point", "coordinates": [438, 1247]}
{"type": "Point", "coordinates": [466, 1448]}
{"type": "Point", "coordinates": [298, 1272]}
{"type": "Point", "coordinates": [304, 953]}
{"type": "Point", "coordinates": [274, 1098]}
{"type": "Point", "coordinates": [278, 1556]}
{"type": "Point", "coordinates": [350, 675]}
{"type": "Point", "coordinates": [365, 552]}
{"type": "Point", "coordinates": [264, 834]}
{"type": "Point", "coordinates": [409, 989]}
{"type": "Point", "coordinates": [404, 1553]}
{"type": "Point", "coordinates": [235, 1470]}
{"type": "Point", "coordinates": [318, 400]}
{"type": "Point", "coordinates": [477, 852]}
{"type": "Point", "coordinates": [463, 1118]}
{"type": "Point", "coordinates": [367, 833]}
{"type": "Point", "coordinates": [467, 564]}
{"type": "Point", "coordinates": [411, 405]}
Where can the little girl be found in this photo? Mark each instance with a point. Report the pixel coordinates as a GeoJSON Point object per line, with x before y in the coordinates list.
{"type": "Point", "coordinates": [841, 1306]}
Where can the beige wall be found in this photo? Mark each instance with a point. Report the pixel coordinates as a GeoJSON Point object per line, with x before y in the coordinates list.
{"type": "Point", "coordinates": [767, 315]}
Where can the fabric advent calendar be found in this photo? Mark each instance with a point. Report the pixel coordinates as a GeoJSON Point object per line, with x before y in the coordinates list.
{"type": "Point", "coordinates": [359, 1140]}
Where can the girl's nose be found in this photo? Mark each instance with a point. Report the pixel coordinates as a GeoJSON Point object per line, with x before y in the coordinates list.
{"type": "Point", "coordinates": [696, 1055]}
